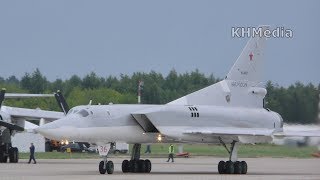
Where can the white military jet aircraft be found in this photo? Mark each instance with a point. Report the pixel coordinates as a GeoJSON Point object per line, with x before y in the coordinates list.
{"type": "Point", "coordinates": [13, 119]}
{"type": "Point", "coordinates": [230, 111]}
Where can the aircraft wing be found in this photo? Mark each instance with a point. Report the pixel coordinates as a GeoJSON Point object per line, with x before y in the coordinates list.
{"type": "Point", "coordinates": [218, 131]}
{"type": "Point", "coordinates": [293, 133]}
{"type": "Point", "coordinates": [32, 114]}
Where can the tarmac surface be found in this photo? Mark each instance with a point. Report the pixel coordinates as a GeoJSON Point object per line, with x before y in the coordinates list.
{"type": "Point", "coordinates": [182, 168]}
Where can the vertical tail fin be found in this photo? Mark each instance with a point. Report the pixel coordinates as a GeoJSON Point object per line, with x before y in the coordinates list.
{"type": "Point", "coordinates": [248, 65]}
{"type": "Point", "coordinates": [239, 87]}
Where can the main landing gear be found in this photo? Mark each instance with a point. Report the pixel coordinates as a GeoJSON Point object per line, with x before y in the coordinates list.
{"type": "Point", "coordinates": [6, 149]}
{"type": "Point", "coordinates": [232, 166]}
{"type": "Point", "coordinates": [136, 165]}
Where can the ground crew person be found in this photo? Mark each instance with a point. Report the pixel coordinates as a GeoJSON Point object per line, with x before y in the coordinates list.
{"type": "Point", "coordinates": [171, 151]}
{"type": "Point", "coordinates": [148, 150]}
{"type": "Point", "coordinates": [32, 154]}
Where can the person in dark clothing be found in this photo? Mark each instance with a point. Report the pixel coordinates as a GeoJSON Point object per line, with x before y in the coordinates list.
{"type": "Point", "coordinates": [148, 149]}
{"type": "Point", "coordinates": [171, 151]}
{"type": "Point", "coordinates": [32, 149]}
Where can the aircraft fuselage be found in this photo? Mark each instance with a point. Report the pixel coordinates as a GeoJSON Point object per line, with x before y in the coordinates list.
{"type": "Point", "coordinates": [121, 123]}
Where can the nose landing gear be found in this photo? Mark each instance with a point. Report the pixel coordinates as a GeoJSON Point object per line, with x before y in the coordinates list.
{"type": "Point", "coordinates": [105, 165]}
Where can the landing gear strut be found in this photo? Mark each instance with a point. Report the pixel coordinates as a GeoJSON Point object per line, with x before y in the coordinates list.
{"type": "Point", "coordinates": [233, 166]}
{"type": "Point", "coordinates": [136, 165]}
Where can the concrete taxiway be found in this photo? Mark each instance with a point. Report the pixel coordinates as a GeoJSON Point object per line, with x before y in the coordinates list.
{"type": "Point", "coordinates": [182, 168]}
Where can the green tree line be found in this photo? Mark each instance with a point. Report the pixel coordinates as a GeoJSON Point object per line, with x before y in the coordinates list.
{"type": "Point", "coordinates": [297, 103]}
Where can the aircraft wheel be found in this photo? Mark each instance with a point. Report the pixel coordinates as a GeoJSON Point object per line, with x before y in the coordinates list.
{"type": "Point", "coordinates": [229, 167]}
{"type": "Point", "coordinates": [110, 167]}
{"type": "Point", "coordinates": [4, 159]}
{"type": "Point", "coordinates": [101, 169]}
{"type": "Point", "coordinates": [13, 155]}
{"type": "Point", "coordinates": [221, 167]}
{"type": "Point", "coordinates": [148, 165]}
{"type": "Point", "coordinates": [244, 167]}
{"type": "Point", "coordinates": [142, 166]}
{"type": "Point", "coordinates": [237, 167]}
{"type": "Point", "coordinates": [134, 166]}
{"type": "Point", "coordinates": [125, 166]}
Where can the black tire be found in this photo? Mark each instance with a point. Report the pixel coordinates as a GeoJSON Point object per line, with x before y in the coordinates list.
{"type": "Point", "coordinates": [125, 166]}
{"type": "Point", "coordinates": [101, 169]}
{"type": "Point", "coordinates": [237, 167]}
{"type": "Point", "coordinates": [229, 167]}
{"type": "Point", "coordinates": [4, 159]}
{"type": "Point", "coordinates": [244, 167]}
{"type": "Point", "coordinates": [13, 155]}
{"type": "Point", "coordinates": [16, 156]}
{"type": "Point", "coordinates": [221, 167]}
{"type": "Point", "coordinates": [148, 165]}
{"type": "Point", "coordinates": [1, 156]}
{"type": "Point", "coordinates": [134, 166]}
{"type": "Point", "coordinates": [110, 167]}
{"type": "Point", "coordinates": [142, 166]}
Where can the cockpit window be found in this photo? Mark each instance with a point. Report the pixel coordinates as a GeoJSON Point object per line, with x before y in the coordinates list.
{"type": "Point", "coordinates": [72, 111]}
{"type": "Point", "coordinates": [83, 113]}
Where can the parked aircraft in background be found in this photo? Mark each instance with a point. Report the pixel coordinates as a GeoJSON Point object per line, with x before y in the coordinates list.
{"type": "Point", "coordinates": [230, 111]}
{"type": "Point", "coordinates": [13, 119]}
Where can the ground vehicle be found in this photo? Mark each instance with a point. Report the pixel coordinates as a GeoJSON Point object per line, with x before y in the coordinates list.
{"type": "Point", "coordinates": [118, 147]}
{"type": "Point", "coordinates": [52, 145]}
{"type": "Point", "coordinates": [76, 147]}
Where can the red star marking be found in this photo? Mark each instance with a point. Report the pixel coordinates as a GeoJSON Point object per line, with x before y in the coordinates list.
{"type": "Point", "coordinates": [251, 56]}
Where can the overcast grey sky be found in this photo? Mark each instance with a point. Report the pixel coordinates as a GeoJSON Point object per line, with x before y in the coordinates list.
{"type": "Point", "coordinates": [63, 38]}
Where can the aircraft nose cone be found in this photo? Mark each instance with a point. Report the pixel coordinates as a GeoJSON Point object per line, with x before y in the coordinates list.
{"type": "Point", "coordinates": [47, 130]}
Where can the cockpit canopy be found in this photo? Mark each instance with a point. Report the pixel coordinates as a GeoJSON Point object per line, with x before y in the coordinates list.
{"type": "Point", "coordinates": [81, 112]}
